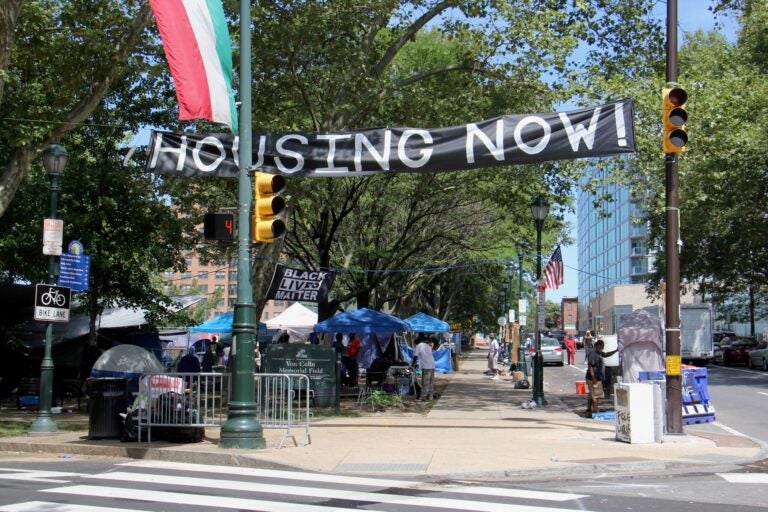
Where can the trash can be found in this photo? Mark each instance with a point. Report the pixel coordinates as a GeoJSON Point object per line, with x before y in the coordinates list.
{"type": "Point", "coordinates": [108, 398]}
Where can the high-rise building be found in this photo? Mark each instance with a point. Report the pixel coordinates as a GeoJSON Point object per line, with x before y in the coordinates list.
{"type": "Point", "coordinates": [613, 254]}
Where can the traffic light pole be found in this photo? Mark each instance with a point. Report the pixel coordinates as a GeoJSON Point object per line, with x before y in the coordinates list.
{"type": "Point", "coordinates": [672, 302]}
{"type": "Point", "coordinates": [242, 428]}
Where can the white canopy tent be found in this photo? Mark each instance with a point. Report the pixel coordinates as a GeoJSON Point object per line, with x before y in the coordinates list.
{"type": "Point", "coordinates": [298, 321]}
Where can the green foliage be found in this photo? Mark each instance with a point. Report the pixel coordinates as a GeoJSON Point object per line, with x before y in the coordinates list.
{"type": "Point", "coordinates": [379, 398]}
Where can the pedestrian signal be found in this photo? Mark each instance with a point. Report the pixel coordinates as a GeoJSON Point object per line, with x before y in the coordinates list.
{"type": "Point", "coordinates": [267, 225]}
{"type": "Point", "coordinates": [674, 117]}
{"type": "Point", "coordinates": [219, 226]}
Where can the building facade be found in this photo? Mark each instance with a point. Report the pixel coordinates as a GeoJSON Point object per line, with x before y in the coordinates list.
{"type": "Point", "coordinates": [614, 260]}
{"type": "Point", "coordinates": [209, 278]}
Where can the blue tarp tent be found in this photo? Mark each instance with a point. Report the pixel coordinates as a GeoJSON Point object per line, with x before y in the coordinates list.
{"type": "Point", "coordinates": [422, 322]}
{"type": "Point", "coordinates": [221, 324]}
{"type": "Point", "coordinates": [362, 321]}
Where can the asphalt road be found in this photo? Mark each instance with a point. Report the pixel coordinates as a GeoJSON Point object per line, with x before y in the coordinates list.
{"type": "Point", "coordinates": [122, 486]}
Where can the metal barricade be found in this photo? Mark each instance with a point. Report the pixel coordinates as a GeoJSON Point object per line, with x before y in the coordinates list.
{"type": "Point", "coordinates": [180, 401]}
{"type": "Point", "coordinates": [283, 402]}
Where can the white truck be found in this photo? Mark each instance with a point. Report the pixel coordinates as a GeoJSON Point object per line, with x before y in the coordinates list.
{"type": "Point", "coordinates": [696, 344]}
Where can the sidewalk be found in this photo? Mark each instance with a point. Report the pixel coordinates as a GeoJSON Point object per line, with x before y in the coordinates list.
{"type": "Point", "coordinates": [477, 429]}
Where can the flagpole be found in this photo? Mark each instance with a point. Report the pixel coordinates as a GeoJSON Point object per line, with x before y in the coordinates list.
{"type": "Point", "coordinates": [242, 428]}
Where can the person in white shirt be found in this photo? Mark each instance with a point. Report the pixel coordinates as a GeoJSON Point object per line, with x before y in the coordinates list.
{"type": "Point", "coordinates": [493, 354]}
{"type": "Point", "coordinates": [426, 361]}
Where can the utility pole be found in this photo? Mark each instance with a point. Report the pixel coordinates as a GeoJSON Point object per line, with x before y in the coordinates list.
{"type": "Point", "coordinates": [242, 428]}
{"type": "Point", "coordinates": [672, 301]}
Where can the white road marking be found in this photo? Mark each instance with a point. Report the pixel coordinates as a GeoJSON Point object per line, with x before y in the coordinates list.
{"type": "Point", "coordinates": [53, 477]}
{"type": "Point", "coordinates": [49, 506]}
{"type": "Point", "coordinates": [745, 478]}
{"type": "Point", "coordinates": [353, 480]}
{"type": "Point", "coordinates": [312, 492]}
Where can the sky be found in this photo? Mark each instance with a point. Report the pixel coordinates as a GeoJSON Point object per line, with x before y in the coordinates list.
{"type": "Point", "coordinates": [691, 15]}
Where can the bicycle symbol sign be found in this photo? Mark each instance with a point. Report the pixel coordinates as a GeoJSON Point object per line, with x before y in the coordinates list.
{"type": "Point", "coordinates": [52, 303]}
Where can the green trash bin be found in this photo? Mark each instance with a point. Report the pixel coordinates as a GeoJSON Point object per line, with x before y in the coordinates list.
{"type": "Point", "coordinates": [108, 398]}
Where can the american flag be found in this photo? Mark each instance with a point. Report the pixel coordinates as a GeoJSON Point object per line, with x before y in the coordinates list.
{"type": "Point", "coordinates": [553, 273]}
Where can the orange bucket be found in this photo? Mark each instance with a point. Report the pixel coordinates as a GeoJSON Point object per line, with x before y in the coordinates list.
{"type": "Point", "coordinates": [581, 387]}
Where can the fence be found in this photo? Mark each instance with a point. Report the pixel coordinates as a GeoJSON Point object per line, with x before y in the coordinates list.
{"type": "Point", "coordinates": [180, 400]}
{"type": "Point", "coordinates": [283, 402]}
{"type": "Point", "coordinates": [194, 401]}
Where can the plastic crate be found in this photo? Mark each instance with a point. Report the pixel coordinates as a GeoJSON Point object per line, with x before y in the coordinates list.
{"type": "Point", "coordinates": [695, 386]}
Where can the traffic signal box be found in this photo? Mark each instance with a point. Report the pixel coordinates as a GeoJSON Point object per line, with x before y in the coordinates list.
{"type": "Point", "coordinates": [674, 117]}
{"type": "Point", "coordinates": [267, 225]}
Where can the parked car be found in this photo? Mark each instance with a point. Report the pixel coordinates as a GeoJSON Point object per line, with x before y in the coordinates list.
{"type": "Point", "coordinates": [719, 335]}
{"type": "Point", "coordinates": [735, 350]}
{"type": "Point", "coordinates": [551, 351]}
{"type": "Point", "coordinates": [758, 357]}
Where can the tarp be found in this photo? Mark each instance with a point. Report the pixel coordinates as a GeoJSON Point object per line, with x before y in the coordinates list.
{"type": "Point", "coordinates": [442, 358]}
{"type": "Point", "coordinates": [363, 321]}
{"type": "Point", "coordinates": [422, 322]}
{"type": "Point", "coordinates": [297, 320]}
{"type": "Point", "coordinates": [219, 324]}
{"type": "Point", "coordinates": [639, 343]}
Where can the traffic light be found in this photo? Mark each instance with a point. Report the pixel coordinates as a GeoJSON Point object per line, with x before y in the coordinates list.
{"type": "Point", "coordinates": [267, 207]}
{"type": "Point", "coordinates": [674, 117]}
{"type": "Point", "coordinates": [219, 226]}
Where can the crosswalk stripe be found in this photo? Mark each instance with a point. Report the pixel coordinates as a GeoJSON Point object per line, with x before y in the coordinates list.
{"type": "Point", "coordinates": [49, 506]}
{"type": "Point", "coordinates": [314, 492]}
{"type": "Point", "coordinates": [188, 499]}
{"type": "Point", "coordinates": [355, 480]}
{"type": "Point", "coordinates": [53, 477]}
{"type": "Point", "coordinates": [745, 478]}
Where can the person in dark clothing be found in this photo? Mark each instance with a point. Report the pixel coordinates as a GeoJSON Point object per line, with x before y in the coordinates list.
{"type": "Point", "coordinates": [596, 374]}
{"type": "Point", "coordinates": [209, 359]}
{"type": "Point", "coordinates": [189, 363]}
{"type": "Point", "coordinates": [376, 374]}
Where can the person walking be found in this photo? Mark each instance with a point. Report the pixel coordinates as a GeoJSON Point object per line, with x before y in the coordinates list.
{"type": "Point", "coordinates": [493, 353]}
{"type": "Point", "coordinates": [588, 342]}
{"type": "Point", "coordinates": [595, 375]}
{"type": "Point", "coordinates": [423, 352]}
{"type": "Point", "coordinates": [570, 346]}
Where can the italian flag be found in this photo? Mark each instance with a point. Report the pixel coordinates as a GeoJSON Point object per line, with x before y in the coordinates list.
{"type": "Point", "coordinates": [197, 46]}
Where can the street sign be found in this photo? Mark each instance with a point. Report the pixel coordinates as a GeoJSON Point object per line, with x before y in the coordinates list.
{"type": "Point", "coordinates": [502, 321]}
{"type": "Point", "coordinates": [74, 271]}
{"type": "Point", "coordinates": [53, 236]}
{"type": "Point", "coordinates": [522, 306]}
{"type": "Point", "coordinates": [52, 303]}
{"type": "Point", "coordinates": [511, 316]}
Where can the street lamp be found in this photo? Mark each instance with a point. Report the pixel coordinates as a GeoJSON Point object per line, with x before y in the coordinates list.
{"type": "Point", "coordinates": [55, 159]}
{"type": "Point", "coordinates": [540, 209]}
{"type": "Point", "coordinates": [521, 346]}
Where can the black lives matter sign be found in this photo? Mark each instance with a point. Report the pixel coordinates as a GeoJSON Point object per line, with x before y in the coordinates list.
{"type": "Point", "coordinates": [300, 285]}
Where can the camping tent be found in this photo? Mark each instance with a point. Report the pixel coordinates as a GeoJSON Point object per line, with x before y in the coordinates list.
{"type": "Point", "coordinates": [640, 336]}
{"type": "Point", "coordinates": [127, 361]}
{"type": "Point", "coordinates": [422, 322]}
{"type": "Point", "coordinates": [297, 320]}
{"type": "Point", "coordinates": [363, 321]}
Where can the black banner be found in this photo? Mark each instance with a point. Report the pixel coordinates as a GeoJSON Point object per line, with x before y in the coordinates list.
{"type": "Point", "coordinates": [300, 285]}
{"type": "Point", "coordinates": [505, 140]}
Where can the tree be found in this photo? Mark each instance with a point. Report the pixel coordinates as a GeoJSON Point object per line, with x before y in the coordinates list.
{"type": "Point", "coordinates": [58, 60]}
{"type": "Point", "coordinates": [380, 66]}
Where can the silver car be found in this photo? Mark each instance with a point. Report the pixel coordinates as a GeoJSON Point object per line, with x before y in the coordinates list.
{"type": "Point", "coordinates": [758, 357]}
{"type": "Point", "coordinates": [551, 351]}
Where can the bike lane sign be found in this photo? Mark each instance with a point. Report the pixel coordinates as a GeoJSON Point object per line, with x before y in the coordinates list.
{"type": "Point", "coordinates": [52, 303]}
